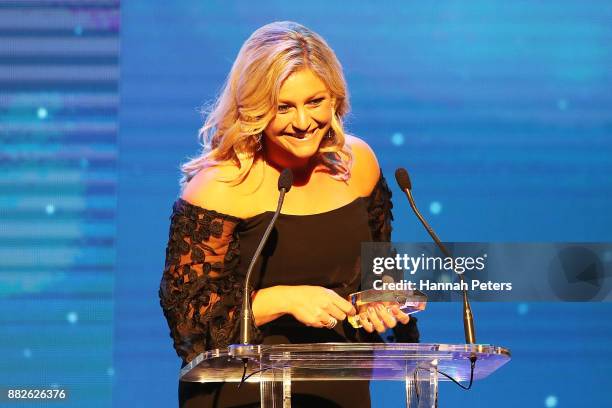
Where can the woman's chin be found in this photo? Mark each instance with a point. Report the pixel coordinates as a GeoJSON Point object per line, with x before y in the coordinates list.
{"type": "Point", "coordinates": [302, 150]}
{"type": "Point", "coordinates": [304, 153]}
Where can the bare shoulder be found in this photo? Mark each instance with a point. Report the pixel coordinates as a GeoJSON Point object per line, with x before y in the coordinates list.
{"type": "Point", "coordinates": [366, 170]}
{"type": "Point", "coordinates": [208, 190]}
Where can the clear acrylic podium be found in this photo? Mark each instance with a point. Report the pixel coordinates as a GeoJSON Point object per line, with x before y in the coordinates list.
{"type": "Point", "coordinates": [277, 366]}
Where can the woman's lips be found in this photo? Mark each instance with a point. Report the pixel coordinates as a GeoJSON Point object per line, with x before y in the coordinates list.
{"type": "Point", "coordinates": [300, 136]}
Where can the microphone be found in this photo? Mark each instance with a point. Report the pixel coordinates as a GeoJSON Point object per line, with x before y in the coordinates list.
{"type": "Point", "coordinates": [285, 180]}
{"type": "Point", "coordinates": [403, 180]}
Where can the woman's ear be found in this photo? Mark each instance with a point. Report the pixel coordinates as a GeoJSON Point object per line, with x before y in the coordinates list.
{"type": "Point", "coordinates": [333, 106]}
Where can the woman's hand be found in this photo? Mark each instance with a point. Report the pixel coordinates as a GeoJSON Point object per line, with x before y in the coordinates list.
{"type": "Point", "coordinates": [317, 306]}
{"type": "Point", "coordinates": [314, 306]}
{"type": "Point", "coordinates": [381, 316]}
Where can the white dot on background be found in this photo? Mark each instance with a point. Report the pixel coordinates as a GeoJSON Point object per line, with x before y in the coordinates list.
{"type": "Point", "coordinates": [562, 104]}
{"type": "Point", "coordinates": [110, 371]}
{"type": "Point", "coordinates": [435, 207]}
{"type": "Point", "coordinates": [50, 209]}
{"type": "Point", "coordinates": [522, 308]}
{"type": "Point", "coordinates": [27, 353]}
{"type": "Point", "coordinates": [551, 401]}
{"type": "Point", "coordinates": [41, 113]}
{"type": "Point", "coordinates": [397, 139]}
{"type": "Point", "coordinates": [72, 317]}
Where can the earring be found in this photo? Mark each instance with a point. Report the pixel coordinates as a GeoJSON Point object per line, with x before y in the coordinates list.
{"type": "Point", "coordinates": [258, 145]}
{"type": "Point", "coordinates": [330, 134]}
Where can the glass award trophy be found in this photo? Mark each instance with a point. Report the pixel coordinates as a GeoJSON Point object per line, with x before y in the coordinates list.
{"type": "Point", "coordinates": [409, 301]}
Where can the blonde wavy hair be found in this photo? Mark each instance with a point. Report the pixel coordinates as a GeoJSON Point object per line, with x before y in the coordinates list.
{"type": "Point", "coordinates": [247, 102]}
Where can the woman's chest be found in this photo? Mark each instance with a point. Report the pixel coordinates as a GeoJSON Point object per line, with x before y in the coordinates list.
{"type": "Point", "coordinates": [320, 194]}
{"type": "Point", "coordinates": [321, 249]}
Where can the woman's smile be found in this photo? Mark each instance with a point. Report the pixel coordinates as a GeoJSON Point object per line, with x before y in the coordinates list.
{"type": "Point", "coordinates": [301, 136]}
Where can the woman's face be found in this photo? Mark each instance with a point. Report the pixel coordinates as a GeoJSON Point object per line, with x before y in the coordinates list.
{"type": "Point", "coordinates": [303, 118]}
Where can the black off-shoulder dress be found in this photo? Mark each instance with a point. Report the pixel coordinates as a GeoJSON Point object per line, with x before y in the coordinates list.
{"type": "Point", "coordinates": [201, 288]}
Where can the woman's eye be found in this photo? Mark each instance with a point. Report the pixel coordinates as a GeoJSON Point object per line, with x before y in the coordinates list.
{"type": "Point", "coordinates": [282, 108]}
{"type": "Point", "coordinates": [317, 101]}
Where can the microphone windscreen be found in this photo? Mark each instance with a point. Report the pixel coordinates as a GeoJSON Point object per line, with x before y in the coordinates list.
{"type": "Point", "coordinates": [285, 180]}
{"type": "Point", "coordinates": [401, 175]}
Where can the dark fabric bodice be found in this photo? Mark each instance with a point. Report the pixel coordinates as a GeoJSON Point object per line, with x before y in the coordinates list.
{"type": "Point", "coordinates": [208, 253]}
{"type": "Point", "coordinates": [319, 249]}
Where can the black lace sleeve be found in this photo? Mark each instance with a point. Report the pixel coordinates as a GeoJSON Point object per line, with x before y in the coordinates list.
{"type": "Point", "coordinates": [379, 211]}
{"type": "Point", "coordinates": [379, 219]}
{"type": "Point", "coordinates": [200, 292]}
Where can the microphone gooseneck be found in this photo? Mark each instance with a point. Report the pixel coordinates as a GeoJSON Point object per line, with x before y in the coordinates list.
{"type": "Point", "coordinates": [403, 180]}
{"type": "Point", "coordinates": [285, 180]}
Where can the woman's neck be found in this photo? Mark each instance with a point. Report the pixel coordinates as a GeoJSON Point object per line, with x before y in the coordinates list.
{"type": "Point", "coordinates": [302, 169]}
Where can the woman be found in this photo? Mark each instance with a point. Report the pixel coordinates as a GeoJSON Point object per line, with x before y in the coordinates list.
{"type": "Point", "coordinates": [282, 107]}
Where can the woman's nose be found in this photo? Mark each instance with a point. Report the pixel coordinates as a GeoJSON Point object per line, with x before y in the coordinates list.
{"type": "Point", "coordinates": [301, 120]}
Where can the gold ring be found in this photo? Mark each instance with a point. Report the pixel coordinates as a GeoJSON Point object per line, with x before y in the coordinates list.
{"type": "Point", "coordinates": [331, 323]}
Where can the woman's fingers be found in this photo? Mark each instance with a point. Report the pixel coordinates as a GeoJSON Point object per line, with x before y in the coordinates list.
{"type": "Point", "coordinates": [316, 319]}
{"type": "Point", "coordinates": [375, 320]}
{"type": "Point", "coordinates": [401, 317]}
{"type": "Point", "coordinates": [381, 316]}
{"type": "Point", "coordinates": [365, 322]}
{"type": "Point", "coordinates": [378, 316]}
{"type": "Point", "coordinates": [344, 305]}
{"type": "Point", "coordinates": [335, 312]}
{"type": "Point", "coordinates": [385, 315]}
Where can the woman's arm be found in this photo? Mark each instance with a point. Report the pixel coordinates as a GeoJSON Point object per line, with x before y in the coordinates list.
{"type": "Point", "coordinates": [312, 305]}
{"type": "Point", "coordinates": [200, 290]}
{"type": "Point", "coordinates": [269, 304]}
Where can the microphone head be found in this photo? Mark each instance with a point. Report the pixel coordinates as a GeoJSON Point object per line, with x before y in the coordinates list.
{"type": "Point", "coordinates": [403, 179]}
{"type": "Point", "coordinates": [285, 180]}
